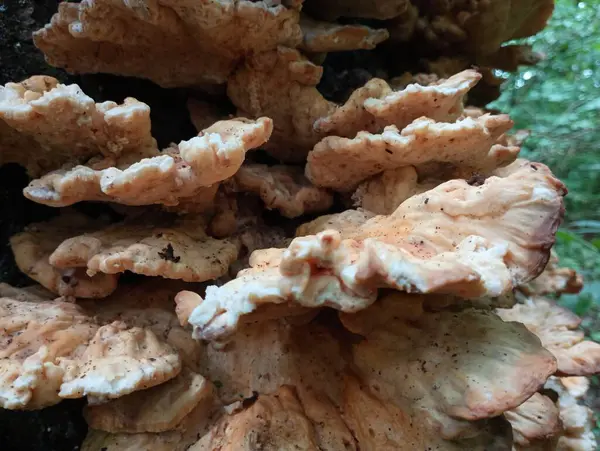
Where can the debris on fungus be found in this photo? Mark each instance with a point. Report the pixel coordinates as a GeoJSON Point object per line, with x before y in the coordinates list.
{"type": "Point", "coordinates": [459, 239]}
{"type": "Point", "coordinates": [371, 277]}
{"type": "Point", "coordinates": [181, 251]}
{"type": "Point", "coordinates": [35, 335]}
{"type": "Point", "coordinates": [33, 247]}
{"type": "Point", "coordinates": [342, 163]}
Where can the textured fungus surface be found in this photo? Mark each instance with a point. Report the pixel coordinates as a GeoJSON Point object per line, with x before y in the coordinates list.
{"type": "Point", "coordinates": [181, 174]}
{"type": "Point", "coordinates": [148, 40]}
{"type": "Point", "coordinates": [203, 303]}
{"type": "Point", "coordinates": [460, 239]}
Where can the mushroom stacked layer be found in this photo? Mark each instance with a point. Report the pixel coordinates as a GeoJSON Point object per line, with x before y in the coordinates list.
{"type": "Point", "coordinates": [210, 307]}
{"type": "Point", "coordinates": [184, 44]}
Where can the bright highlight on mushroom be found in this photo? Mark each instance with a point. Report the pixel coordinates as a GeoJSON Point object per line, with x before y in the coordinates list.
{"type": "Point", "coordinates": [310, 272]}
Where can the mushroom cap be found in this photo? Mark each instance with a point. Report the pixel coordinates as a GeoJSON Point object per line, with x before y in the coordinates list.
{"type": "Point", "coordinates": [157, 409]}
{"type": "Point", "coordinates": [182, 251]}
{"type": "Point", "coordinates": [342, 163]}
{"type": "Point", "coordinates": [103, 349]}
{"type": "Point", "coordinates": [264, 355]}
{"type": "Point", "coordinates": [554, 280]}
{"type": "Point", "coordinates": [318, 36]}
{"type": "Point", "coordinates": [33, 247]}
{"type": "Point", "coordinates": [34, 336]}
{"type": "Point", "coordinates": [282, 187]}
{"type": "Point", "coordinates": [383, 193]}
{"type": "Point", "coordinates": [457, 239]}
{"type": "Point", "coordinates": [281, 420]}
{"type": "Point", "coordinates": [557, 328]}
{"type": "Point", "coordinates": [119, 361]}
{"type": "Point", "coordinates": [281, 84]}
{"type": "Point", "coordinates": [535, 421]}
{"type": "Point", "coordinates": [381, 425]}
{"type": "Point", "coordinates": [205, 43]}
{"type": "Point", "coordinates": [489, 365]}
{"type": "Point", "coordinates": [179, 174]}
{"type": "Point", "coordinates": [46, 124]}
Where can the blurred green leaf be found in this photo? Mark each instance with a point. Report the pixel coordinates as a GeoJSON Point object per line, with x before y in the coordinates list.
{"type": "Point", "coordinates": [587, 226]}
{"type": "Point", "coordinates": [592, 105]}
{"type": "Point", "coordinates": [583, 305]}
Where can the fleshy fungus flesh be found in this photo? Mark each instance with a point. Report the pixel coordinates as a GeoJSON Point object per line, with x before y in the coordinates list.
{"type": "Point", "coordinates": [348, 256]}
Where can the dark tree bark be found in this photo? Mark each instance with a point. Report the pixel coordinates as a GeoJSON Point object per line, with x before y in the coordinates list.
{"type": "Point", "coordinates": [62, 427]}
{"type": "Point", "coordinates": [18, 56]}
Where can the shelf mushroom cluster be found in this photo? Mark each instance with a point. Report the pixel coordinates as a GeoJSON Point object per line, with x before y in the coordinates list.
{"type": "Point", "coordinates": [383, 285]}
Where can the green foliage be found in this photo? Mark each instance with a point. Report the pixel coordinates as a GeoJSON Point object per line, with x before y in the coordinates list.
{"type": "Point", "coordinates": [558, 100]}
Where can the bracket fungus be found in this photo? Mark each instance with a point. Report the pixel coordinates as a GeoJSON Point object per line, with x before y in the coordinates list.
{"type": "Point", "coordinates": [468, 143]}
{"type": "Point", "coordinates": [577, 419]}
{"type": "Point", "coordinates": [369, 278]}
{"type": "Point", "coordinates": [281, 187]}
{"type": "Point", "coordinates": [35, 335]}
{"type": "Point", "coordinates": [302, 116]}
{"type": "Point", "coordinates": [320, 36]}
{"type": "Point", "coordinates": [75, 256]}
{"type": "Point", "coordinates": [149, 39]}
{"type": "Point", "coordinates": [279, 420]}
{"type": "Point", "coordinates": [554, 418]}
{"type": "Point", "coordinates": [56, 349]}
{"type": "Point", "coordinates": [118, 361]}
{"type": "Point", "coordinates": [158, 409]}
{"type": "Point", "coordinates": [554, 280]}
{"type": "Point", "coordinates": [557, 327]}
{"type": "Point", "coordinates": [383, 193]}
{"type": "Point", "coordinates": [281, 84]}
{"type": "Point", "coordinates": [33, 247]}
{"type": "Point", "coordinates": [457, 238]}
{"type": "Point", "coordinates": [179, 174]}
{"type": "Point", "coordinates": [115, 157]}
{"type": "Point", "coordinates": [536, 422]}
{"type": "Point", "coordinates": [46, 124]}
{"type": "Point", "coordinates": [376, 105]}
{"type": "Point", "coordinates": [182, 251]}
